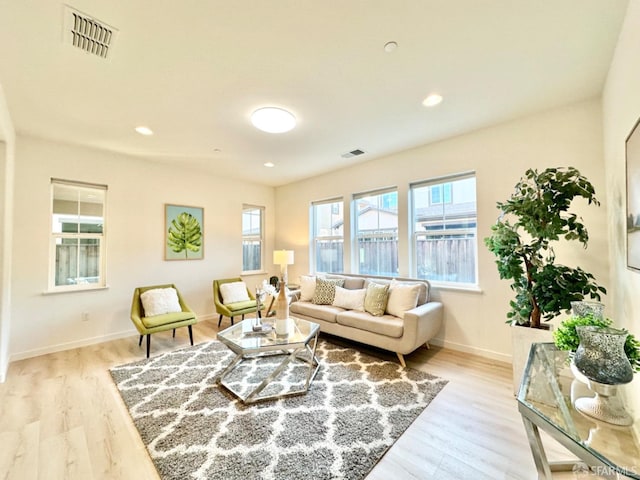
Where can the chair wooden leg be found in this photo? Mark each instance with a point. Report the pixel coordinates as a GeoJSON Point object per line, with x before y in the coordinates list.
{"type": "Point", "coordinates": [148, 344]}
{"type": "Point", "coordinates": [219, 321]}
{"type": "Point", "coordinates": [140, 341]}
{"type": "Point", "coordinates": [190, 334]}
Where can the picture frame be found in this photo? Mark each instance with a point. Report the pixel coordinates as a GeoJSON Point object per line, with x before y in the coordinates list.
{"type": "Point", "coordinates": [632, 152]}
{"type": "Point", "coordinates": [183, 232]}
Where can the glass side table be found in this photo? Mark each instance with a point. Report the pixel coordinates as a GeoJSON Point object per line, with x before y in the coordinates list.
{"type": "Point", "coordinates": [546, 401]}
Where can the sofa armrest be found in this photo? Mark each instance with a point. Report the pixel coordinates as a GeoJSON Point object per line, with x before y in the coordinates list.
{"type": "Point", "coordinates": [424, 322]}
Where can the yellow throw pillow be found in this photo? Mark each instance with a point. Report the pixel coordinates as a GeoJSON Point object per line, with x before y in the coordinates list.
{"type": "Point", "coordinates": [375, 300]}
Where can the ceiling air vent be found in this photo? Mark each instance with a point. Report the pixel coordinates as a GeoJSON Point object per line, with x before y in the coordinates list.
{"type": "Point", "coordinates": [87, 33]}
{"type": "Point", "coordinates": [352, 153]}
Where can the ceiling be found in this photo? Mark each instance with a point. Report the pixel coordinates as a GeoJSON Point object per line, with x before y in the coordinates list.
{"type": "Point", "coordinates": [193, 71]}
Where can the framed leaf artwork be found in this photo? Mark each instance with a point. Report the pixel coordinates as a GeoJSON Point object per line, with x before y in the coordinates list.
{"type": "Point", "coordinates": [632, 147]}
{"type": "Point", "coordinates": [183, 232]}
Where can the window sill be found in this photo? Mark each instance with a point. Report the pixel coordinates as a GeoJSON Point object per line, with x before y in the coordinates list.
{"type": "Point", "coordinates": [456, 288]}
{"type": "Point", "coordinates": [75, 290]}
{"type": "Point", "coordinates": [253, 273]}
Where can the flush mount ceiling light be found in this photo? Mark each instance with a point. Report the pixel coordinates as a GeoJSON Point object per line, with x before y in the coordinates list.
{"type": "Point", "coordinates": [432, 100]}
{"type": "Point", "coordinates": [144, 130]}
{"type": "Point", "coordinates": [390, 46]}
{"type": "Point", "coordinates": [273, 120]}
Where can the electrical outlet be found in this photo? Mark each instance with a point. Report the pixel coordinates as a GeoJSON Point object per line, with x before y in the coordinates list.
{"type": "Point", "coordinates": [85, 316]}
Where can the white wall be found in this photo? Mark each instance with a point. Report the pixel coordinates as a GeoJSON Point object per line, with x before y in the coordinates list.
{"type": "Point", "coordinates": [621, 109]}
{"type": "Point", "coordinates": [7, 143]}
{"type": "Point", "coordinates": [137, 193]}
{"type": "Point", "coordinates": [473, 321]}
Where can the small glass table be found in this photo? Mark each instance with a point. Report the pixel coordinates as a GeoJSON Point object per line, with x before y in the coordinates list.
{"type": "Point", "coordinates": [546, 401]}
{"type": "Point", "coordinates": [270, 355]}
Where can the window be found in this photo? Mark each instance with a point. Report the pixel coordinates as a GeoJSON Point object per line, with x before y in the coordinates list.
{"type": "Point", "coordinates": [252, 238]}
{"type": "Point", "coordinates": [328, 235]}
{"type": "Point", "coordinates": [376, 232]}
{"type": "Point", "coordinates": [444, 229]}
{"type": "Point", "coordinates": [440, 193]}
{"type": "Point", "coordinates": [78, 235]}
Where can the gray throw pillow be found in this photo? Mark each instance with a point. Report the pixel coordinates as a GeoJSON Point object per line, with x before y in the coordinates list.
{"type": "Point", "coordinates": [375, 300]}
{"type": "Point", "coordinates": [326, 290]}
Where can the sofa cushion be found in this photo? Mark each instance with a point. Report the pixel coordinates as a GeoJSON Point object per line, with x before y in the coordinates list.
{"type": "Point", "coordinates": [232, 292]}
{"type": "Point", "coordinates": [321, 312]}
{"type": "Point", "coordinates": [350, 299]}
{"type": "Point", "coordinates": [159, 301]}
{"type": "Point", "coordinates": [424, 295]}
{"type": "Point", "coordinates": [307, 287]}
{"type": "Point", "coordinates": [375, 300]}
{"type": "Point", "coordinates": [350, 283]}
{"type": "Point", "coordinates": [326, 290]}
{"type": "Point", "coordinates": [386, 325]}
{"type": "Point", "coordinates": [402, 297]}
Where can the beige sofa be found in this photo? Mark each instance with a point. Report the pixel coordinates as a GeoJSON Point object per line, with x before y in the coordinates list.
{"type": "Point", "coordinates": [389, 332]}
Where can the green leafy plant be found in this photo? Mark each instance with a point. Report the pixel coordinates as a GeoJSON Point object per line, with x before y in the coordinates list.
{"type": "Point", "coordinates": [185, 234]}
{"type": "Point", "coordinates": [532, 219]}
{"type": "Point", "coordinates": [566, 337]}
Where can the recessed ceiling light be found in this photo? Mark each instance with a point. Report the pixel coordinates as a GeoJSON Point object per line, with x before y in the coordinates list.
{"type": "Point", "coordinates": [269, 165]}
{"type": "Point", "coordinates": [273, 120]}
{"type": "Point", "coordinates": [390, 46]}
{"type": "Point", "coordinates": [144, 130]}
{"type": "Point", "coordinates": [432, 100]}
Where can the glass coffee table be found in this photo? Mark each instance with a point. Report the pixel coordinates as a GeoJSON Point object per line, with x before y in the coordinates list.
{"type": "Point", "coordinates": [269, 366]}
{"type": "Point", "coordinates": [546, 401]}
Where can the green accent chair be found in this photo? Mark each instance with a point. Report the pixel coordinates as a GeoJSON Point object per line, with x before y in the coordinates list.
{"type": "Point", "coordinates": [160, 323]}
{"type": "Point", "coordinates": [233, 309]}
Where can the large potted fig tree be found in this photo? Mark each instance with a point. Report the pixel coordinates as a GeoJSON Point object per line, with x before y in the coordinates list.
{"type": "Point", "coordinates": [532, 221]}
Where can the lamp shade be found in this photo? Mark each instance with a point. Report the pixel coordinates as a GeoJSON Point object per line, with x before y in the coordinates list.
{"type": "Point", "coordinates": [283, 257]}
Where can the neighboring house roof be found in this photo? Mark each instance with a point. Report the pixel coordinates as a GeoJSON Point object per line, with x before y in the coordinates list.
{"type": "Point", "coordinates": [453, 210]}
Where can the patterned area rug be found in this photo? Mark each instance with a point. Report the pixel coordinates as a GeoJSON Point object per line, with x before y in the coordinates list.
{"type": "Point", "coordinates": [356, 408]}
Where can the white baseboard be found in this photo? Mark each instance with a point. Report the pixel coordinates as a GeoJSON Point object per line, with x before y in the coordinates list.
{"type": "Point", "coordinates": [501, 357]}
{"type": "Point", "coordinates": [70, 345]}
{"type": "Point", "coordinates": [81, 343]}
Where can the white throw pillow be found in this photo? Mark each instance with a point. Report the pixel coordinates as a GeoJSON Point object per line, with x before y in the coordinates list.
{"type": "Point", "coordinates": [350, 299]}
{"type": "Point", "coordinates": [233, 292]}
{"type": "Point", "coordinates": [402, 297]}
{"type": "Point", "coordinates": [307, 287]}
{"type": "Point", "coordinates": [160, 301]}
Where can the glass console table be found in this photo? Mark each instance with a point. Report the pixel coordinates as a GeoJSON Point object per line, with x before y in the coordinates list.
{"type": "Point", "coordinates": [546, 401]}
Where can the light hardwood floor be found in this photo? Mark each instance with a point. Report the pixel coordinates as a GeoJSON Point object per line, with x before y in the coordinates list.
{"type": "Point", "coordinates": [62, 418]}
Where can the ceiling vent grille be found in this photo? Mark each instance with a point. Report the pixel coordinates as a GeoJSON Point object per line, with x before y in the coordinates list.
{"type": "Point", "coordinates": [88, 34]}
{"type": "Point", "coordinates": [352, 153]}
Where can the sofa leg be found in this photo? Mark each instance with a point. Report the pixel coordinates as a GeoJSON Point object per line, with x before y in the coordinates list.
{"type": "Point", "coordinates": [427, 346]}
{"type": "Point", "coordinates": [190, 334]}
{"type": "Point", "coordinates": [401, 358]}
{"type": "Point", "coordinates": [148, 344]}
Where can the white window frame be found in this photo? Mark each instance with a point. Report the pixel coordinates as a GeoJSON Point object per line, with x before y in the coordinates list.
{"type": "Point", "coordinates": [254, 238]}
{"type": "Point", "coordinates": [357, 236]}
{"type": "Point", "coordinates": [415, 235]}
{"type": "Point", "coordinates": [55, 237]}
{"type": "Point", "coordinates": [315, 239]}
